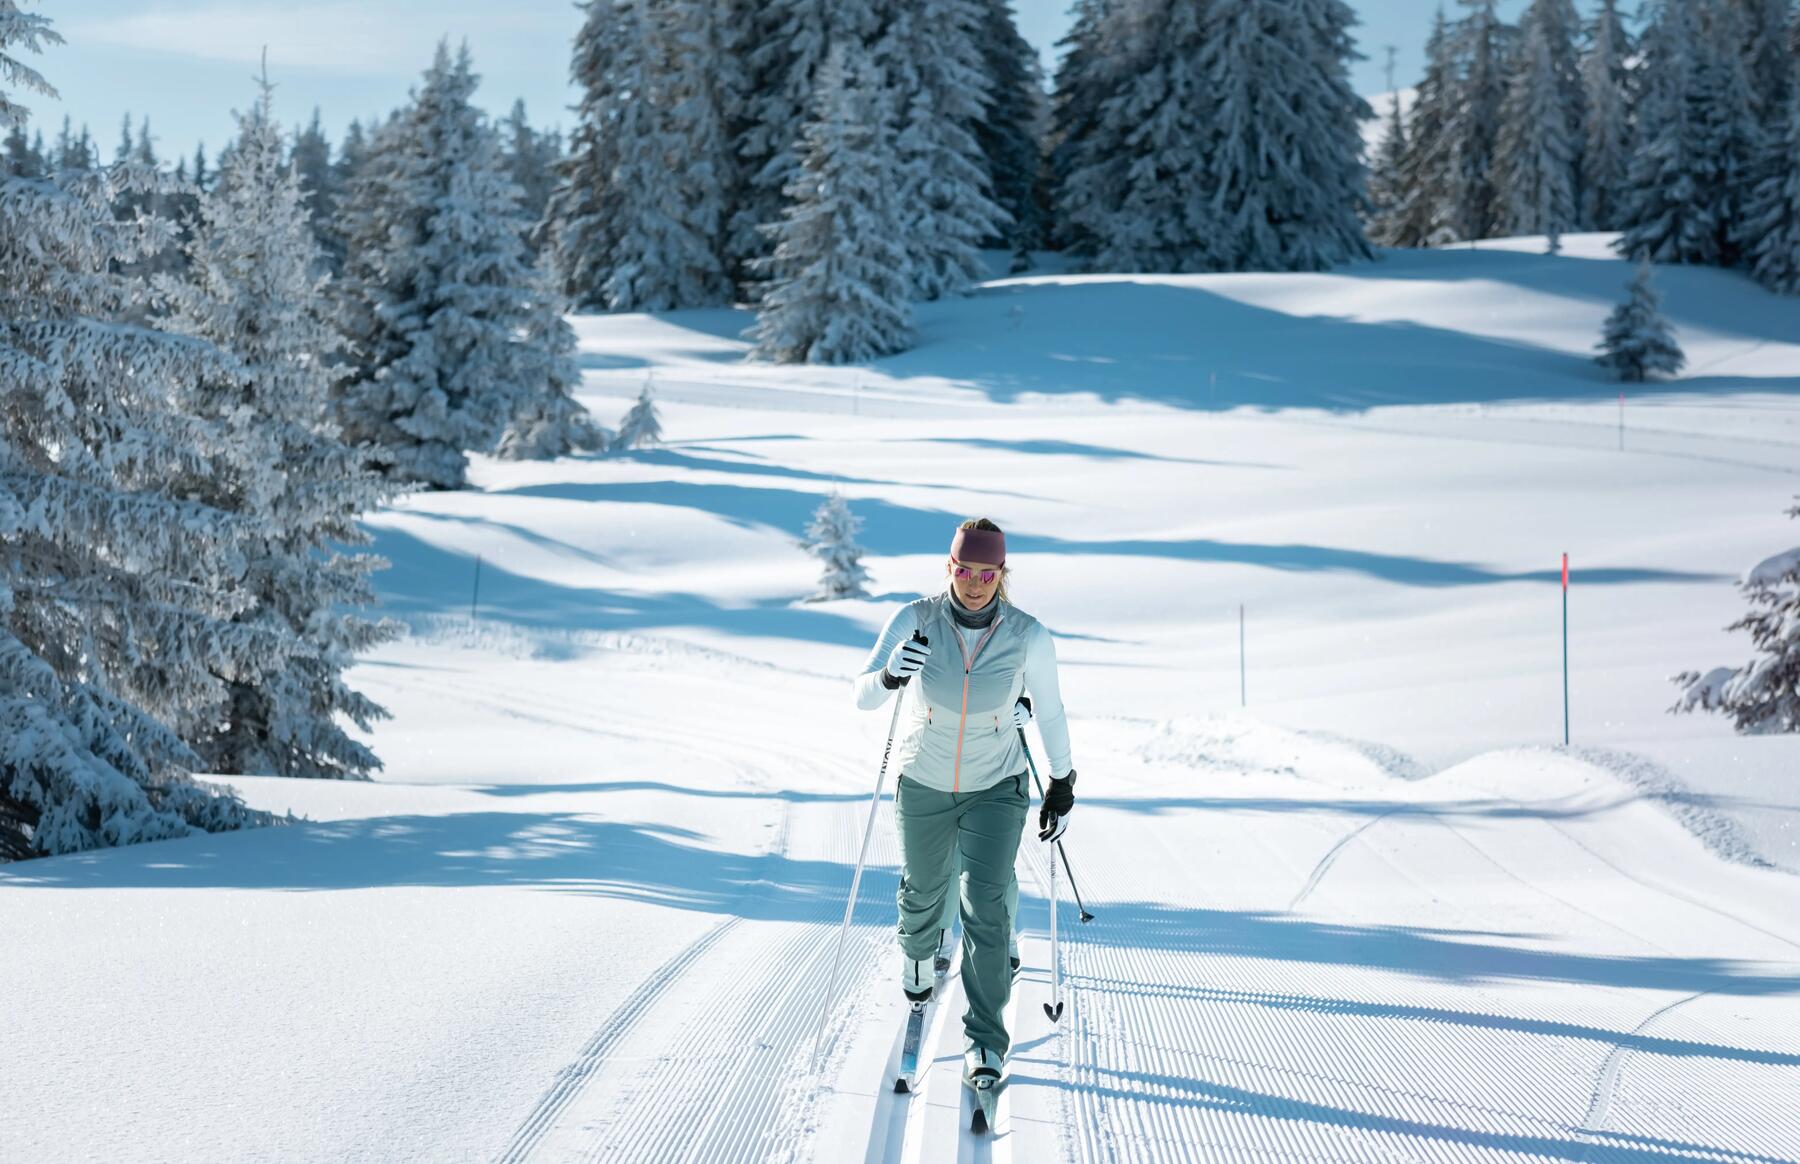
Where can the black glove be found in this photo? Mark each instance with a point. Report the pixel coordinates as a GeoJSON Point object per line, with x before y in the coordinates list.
{"type": "Point", "coordinates": [1059, 799]}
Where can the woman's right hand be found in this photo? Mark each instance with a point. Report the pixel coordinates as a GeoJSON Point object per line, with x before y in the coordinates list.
{"type": "Point", "coordinates": [908, 659]}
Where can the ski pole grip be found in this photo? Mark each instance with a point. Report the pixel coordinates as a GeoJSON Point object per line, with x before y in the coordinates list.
{"type": "Point", "coordinates": [919, 637]}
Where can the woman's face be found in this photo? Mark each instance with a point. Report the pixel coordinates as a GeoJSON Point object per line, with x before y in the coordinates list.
{"type": "Point", "coordinates": [975, 582]}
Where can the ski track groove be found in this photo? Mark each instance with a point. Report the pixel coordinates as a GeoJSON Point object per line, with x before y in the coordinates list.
{"type": "Point", "coordinates": [1330, 858]}
{"type": "Point", "coordinates": [1593, 1124]}
{"type": "Point", "coordinates": [572, 1078]}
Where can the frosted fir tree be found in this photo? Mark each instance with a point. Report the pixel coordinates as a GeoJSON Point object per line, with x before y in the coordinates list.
{"type": "Point", "coordinates": [1636, 340]}
{"type": "Point", "coordinates": [438, 288]}
{"type": "Point", "coordinates": [1146, 200]}
{"type": "Point", "coordinates": [254, 288]}
{"type": "Point", "coordinates": [322, 186]}
{"type": "Point", "coordinates": [831, 538]}
{"type": "Point", "coordinates": [1084, 82]}
{"type": "Point", "coordinates": [1731, 139]}
{"type": "Point", "coordinates": [1426, 212]}
{"type": "Point", "coordinates": [1113, 77]}
{"type": "Point", "coordinates": [1538, 149]}
{"type": "Point", "coordinates": [550, 422]}
{"type": "Point", "coordinates": [641, 426]}
{"type": "Point", "coordinates": [1387, 186]}
{"type": "Point", "coordinates": [1284, 156]}
{"type": "Point", "coordinates": [531, 158]}
{"type": "Point", "coordinates": [1484, 47]}
{"type": "Point", "coordinates": [116, 589]}
{"type": "Point", "coordinates": [1606, 113]}
{"type": "Point", "coordinates": [1770, 229]}
{"type": "Point", "coordinates": [1010, 131]}
{"type": "Point", "coordinates": [1771, 44]}
{"type": "Point", "coordinates": [580, 227]}
{"type": "Point", "coordinates": [668, 193]}
{"type": "Point", "coordinates": [838, 280]}
{"type": "Point", "coordinates": [786, 43]}
{"type": "Point", "coordinates": [1763, 695]}
{"type": "Point", "coordinates": [934, 72]}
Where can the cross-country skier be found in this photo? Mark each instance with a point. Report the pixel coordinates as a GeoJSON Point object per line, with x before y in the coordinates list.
{"type": "Point", "coordinates": [963, 792]}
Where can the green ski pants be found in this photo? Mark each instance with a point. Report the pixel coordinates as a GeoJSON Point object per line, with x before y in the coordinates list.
{"type": "Point", "coordinates": [981, 830]}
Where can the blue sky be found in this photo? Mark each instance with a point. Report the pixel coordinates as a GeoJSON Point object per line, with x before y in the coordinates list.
{"type": "Point", "coordinates": [187, 63]}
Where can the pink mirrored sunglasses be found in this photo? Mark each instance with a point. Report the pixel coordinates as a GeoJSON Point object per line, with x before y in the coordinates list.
{"type": "Point", "coordinates": [963, 574]}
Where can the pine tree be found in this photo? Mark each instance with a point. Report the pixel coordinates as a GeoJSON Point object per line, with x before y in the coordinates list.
{"type": "Point", "coordinates": [1485, 47]}
{"type": "Point", "coordinates": [116, 590]}
{"type": "Point", "coordinates": [1763, 695]}
{"type": "Point", "coordinates": [1387, 186]}
{"type": "Point", "coordinates": [1769, 57]}
{"type": "Point", "coordinates": [1636, 340]}
{"type": "Point", "coordinates": [532, 157]}
{"type": "Point", "coordinates": [1284, 157]}
{"type": "Point", "coordinates": [255, 289]}
{"type": "Point", "coordinates": [1606, 111]}
{"type": "Point", "coordinates": [581, 230]}
{"type": "Point", "coordinates": [548, 421]}
{"type": "Point", "coordinates": [786, 43]}
{"type": "Point", "coordinates": [933, 68]}
{"type": "Point", "coordinates": [831, 538]}
{"type": "Point", "coordinates": [641, 426]}
{"type": "Point", "coordinates": [437, 290]}
{"type": "Point", "coordinates": [1426, 214]}
{"type": "Point", "coordinates": [1731, 137]}
{"type": "Point", "coordinates": [1770, 228]}
{"type": "Point", "coordinates": [1538, 149]}
{"type": "Point", "coordinates": [1105, 92]}
{"type": "Point", "coordinates": [319, 183]}
{"type": "Point", "coordinates": [20, 158]}
{"type": "Point", "coordinates": [839, 283]}
{"type": "Point", "coordinates": [1669, 213]}
{"type": "Point", "coordinates": [1008, 134]}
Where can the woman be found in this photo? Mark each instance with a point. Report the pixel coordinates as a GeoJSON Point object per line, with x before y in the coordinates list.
{"type": "Point", "coordinates": [963, 790]}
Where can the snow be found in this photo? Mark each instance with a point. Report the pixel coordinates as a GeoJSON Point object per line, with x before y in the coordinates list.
{"type": "Point", "coordinates": [1374, 914]}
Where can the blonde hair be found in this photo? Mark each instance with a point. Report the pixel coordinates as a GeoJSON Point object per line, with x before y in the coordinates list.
{"type": "Point", "coordinates": [983, 523]}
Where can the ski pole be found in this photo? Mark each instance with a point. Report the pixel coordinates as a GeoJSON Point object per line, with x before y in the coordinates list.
{"type": "Point", "coordinates": [1053, 1008]}
{"type": "Point", "coordinates": [856, 878]}
{"type": "Point", "coordinates": [1086, 917]}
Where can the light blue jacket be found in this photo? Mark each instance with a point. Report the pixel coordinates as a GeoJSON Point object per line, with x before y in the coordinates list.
{"type": "Point", "coordinates": [956, 729]}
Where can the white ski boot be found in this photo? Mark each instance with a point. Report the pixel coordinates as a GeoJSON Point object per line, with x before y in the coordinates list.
{"type": "Point", "coordinates": [981, 1073]}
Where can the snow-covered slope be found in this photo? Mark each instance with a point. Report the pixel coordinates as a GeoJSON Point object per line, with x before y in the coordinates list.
{"type": "Point", "coordinates": [1372, 915]}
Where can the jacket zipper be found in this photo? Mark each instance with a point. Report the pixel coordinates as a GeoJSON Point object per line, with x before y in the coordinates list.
{"type": "Point", "coordinates": [968, 666]}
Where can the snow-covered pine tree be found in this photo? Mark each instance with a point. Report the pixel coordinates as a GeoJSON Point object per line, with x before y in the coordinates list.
{"type": "Point", "coordinates": [1769, 55]}
{"type": "Point", "coordinates": [1108, 85]}
{"type": "Point", "coordinates": [1426, 214]}
{"type": "Point", "coordinates": [1763, 695]}
{"type": "Point", "coordinates": [641, 426]}
{"type": "Point", "coordinates": [1082, 86]}
{"type": "Point", "coordinates": [1668, 213]}
{"type": "Point", "coordinates": [550, 422]}
{"type": "Point", "coordinates": [580, 229]}
{"type": "Point", "coordinates": [116, 590]}
{"type": "Point", "coordinates": [1284, 166]}
{"type": "Point", "coordinates": [255, 289]}
{"type": "Point", "coordinates": [1770, 228]}
{"type": "Point", "coordinates": [1637, 340]}
{"type": "Point", "coordinates": [1387, 188]}
{"type": "Point", "coordinates": [437, 288]}
{"type": "Point", "coordinates": [531, 157]}
{"type": "Point", "coordinates": [1144, 200]}
{"type": "Point", "coordinates": [675, 171]}
{"type": "Point", "coordinates": [786, 43]}
{"type": "Point", "coordinates": [1606, 113]}
{"type": "Point", "coordinates": [1538, 150]}
{"type": "Point", "coordinates": [831, 538]}
{"type": "Point", "coordinates": [1010, 131]}
{"type": "Point", "coordinates": [838, 287]}
{"type": "Point", "coordinates": [1730, 133]}
{"type": "Point", "coordinates": [311, 159]}
{"type": "Point", "coordinates": [934, 71]}
{"type": "Point", "coordinates": [22, 159]}
{"type": "Point", "coordinates": [1485, 48]}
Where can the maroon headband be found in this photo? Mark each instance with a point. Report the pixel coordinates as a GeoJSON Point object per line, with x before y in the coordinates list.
{"type": "Point", "coordinates": [979, 545]}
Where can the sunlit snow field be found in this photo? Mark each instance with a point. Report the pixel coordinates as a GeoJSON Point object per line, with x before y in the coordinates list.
{"type": "Point", "coordinates": [1353, 900]}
